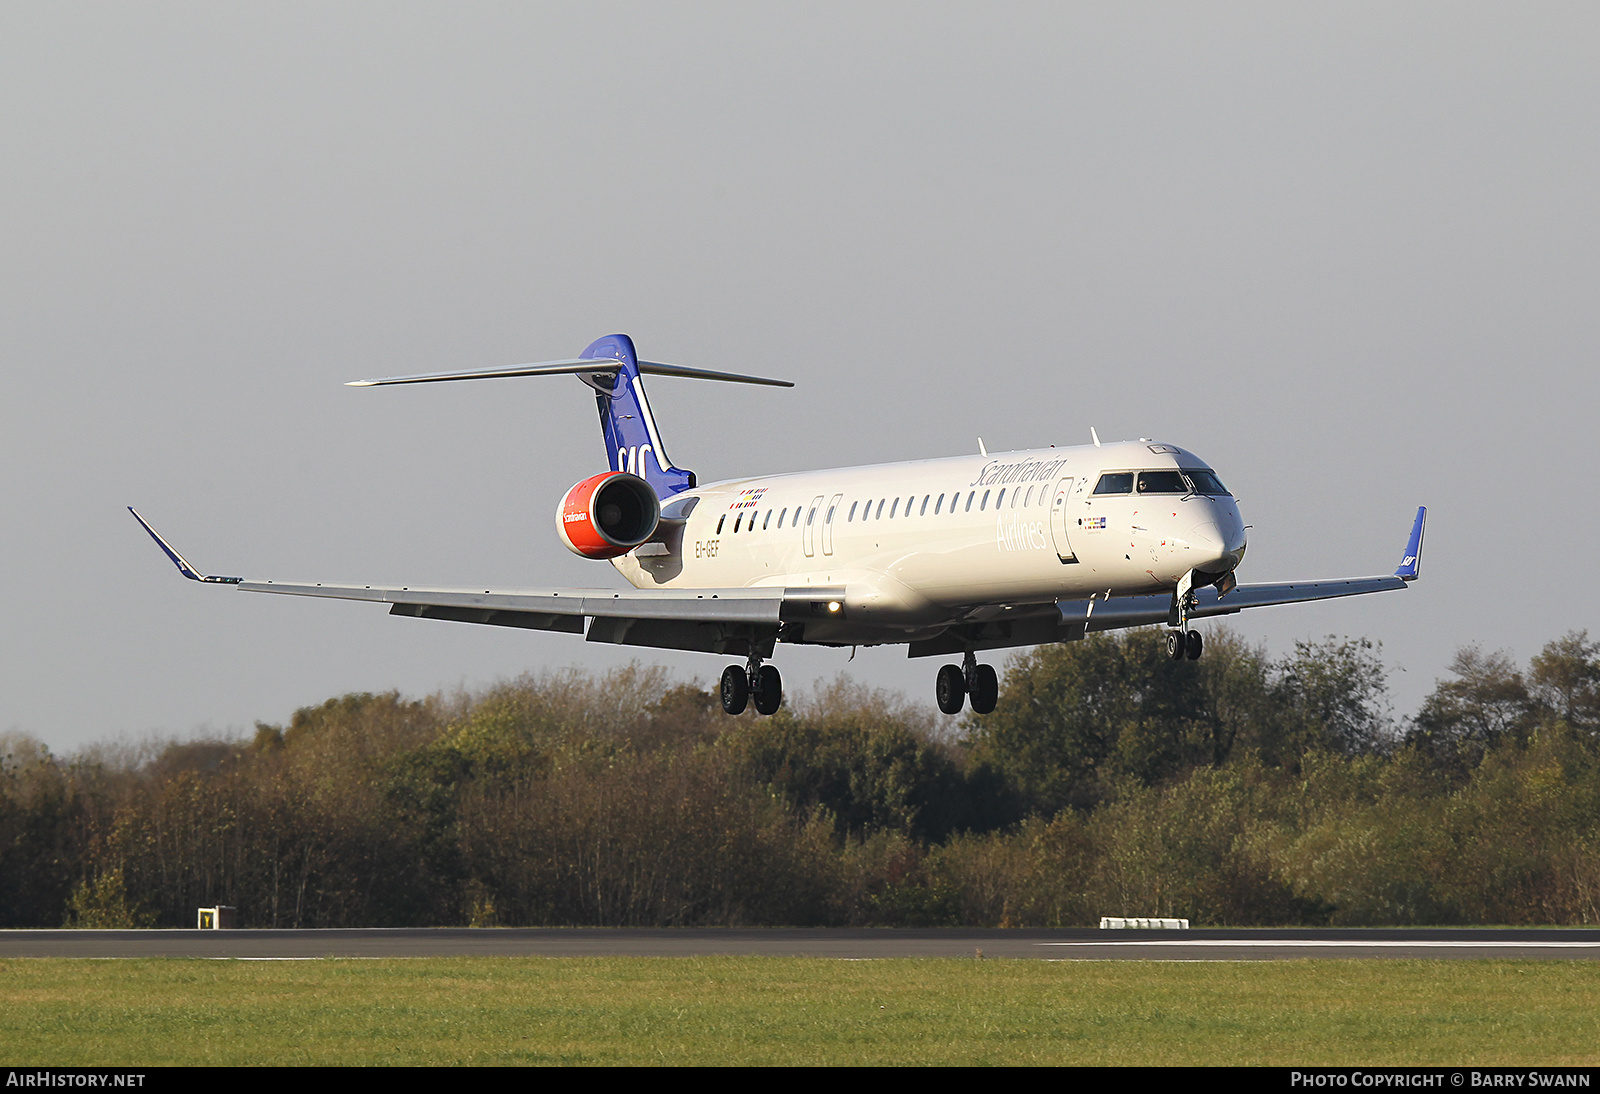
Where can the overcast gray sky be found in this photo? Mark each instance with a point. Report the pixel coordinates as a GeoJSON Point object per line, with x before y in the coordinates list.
{"type": "Point", "coordinates": [1346, 252]}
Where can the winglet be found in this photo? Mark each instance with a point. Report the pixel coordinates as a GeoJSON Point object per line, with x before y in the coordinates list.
{"type": "Point", "coordinates": [178, 560]}
{"type": "Point", "coordinates": [1411, 565]}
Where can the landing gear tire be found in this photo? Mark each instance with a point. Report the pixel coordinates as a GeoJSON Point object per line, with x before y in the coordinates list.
{"type": "Point", "coordinates": [1177, 645]}
{"type": "Point", "coordinates": [1193, 645]}
{"type": "Point", "coordinates": [985, 689]}
{"type": "Point", "coordinates": [735, 689]}
{"type": "Point", "coordinates": [950, 689]}
{"type": "Point", "coordinates": [769, 692]}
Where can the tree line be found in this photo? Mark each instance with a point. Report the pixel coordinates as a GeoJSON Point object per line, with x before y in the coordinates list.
{"type": "Point", "coordinates": [1235, 790]}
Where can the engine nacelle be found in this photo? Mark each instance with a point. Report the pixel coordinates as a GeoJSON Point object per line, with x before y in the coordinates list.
{"type": "Point", "coordinates": [607, 515]}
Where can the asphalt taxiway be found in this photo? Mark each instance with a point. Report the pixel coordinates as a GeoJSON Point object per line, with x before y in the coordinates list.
{"type": "Point", "coordinates": [1056, 945]}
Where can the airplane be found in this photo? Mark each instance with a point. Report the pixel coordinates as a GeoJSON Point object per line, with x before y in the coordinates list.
{"type": "Point", "coordinates": [950, 557]}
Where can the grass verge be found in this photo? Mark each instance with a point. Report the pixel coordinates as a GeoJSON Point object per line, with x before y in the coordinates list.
{"type": "Point", "coordinates": [756, 1010]}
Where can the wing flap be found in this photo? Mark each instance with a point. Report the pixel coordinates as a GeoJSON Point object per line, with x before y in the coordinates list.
{"type": "Point", "coordinates": [494, 617]}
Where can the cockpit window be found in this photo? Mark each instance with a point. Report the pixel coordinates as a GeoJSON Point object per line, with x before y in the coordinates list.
{"type": "Point", "coordinates": [1161, 482]}
{"type": "Point", "coordinates": [1191, 480]}
{"type": "Point", "coordinates": [1206, 482]}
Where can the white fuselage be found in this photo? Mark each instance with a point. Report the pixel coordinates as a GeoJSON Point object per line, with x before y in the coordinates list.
{"type": "Point", "coordinates": [929, 543]}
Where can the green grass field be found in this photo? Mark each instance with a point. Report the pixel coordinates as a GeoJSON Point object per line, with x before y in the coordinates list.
{"type": "Point", "coordinates": [753, 1010]}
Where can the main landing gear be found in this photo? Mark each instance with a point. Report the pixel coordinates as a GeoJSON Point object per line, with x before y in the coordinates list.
{"type": "Point", "coordinates": [1181, 645]}
{"type": "Point", "coordinates": [755, 681]}
{"type": "Point", "coordinates": [956, 682]}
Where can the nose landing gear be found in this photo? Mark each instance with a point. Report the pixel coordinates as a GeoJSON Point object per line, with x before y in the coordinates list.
{"type": "Point", "coordinates": [755, 681]}
{"type": "Point", "coordinates": [956, 682]}
{"type": "Point", "coordinates": [1181, 645]}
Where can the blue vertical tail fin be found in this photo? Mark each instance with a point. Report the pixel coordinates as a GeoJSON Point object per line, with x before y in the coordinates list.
{"type": "Point", "coordinates": [632, 441]}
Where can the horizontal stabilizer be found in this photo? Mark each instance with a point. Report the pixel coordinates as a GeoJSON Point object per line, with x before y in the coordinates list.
{"type": "Point", "coordinates": [576, 365]}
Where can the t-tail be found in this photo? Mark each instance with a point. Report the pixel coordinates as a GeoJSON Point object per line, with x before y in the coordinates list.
{"type": "Point", "coordinates": [612, 368]}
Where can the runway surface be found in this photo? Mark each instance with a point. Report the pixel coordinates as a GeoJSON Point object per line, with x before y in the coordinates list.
{"type": "Point", "coordinates": [1052, 945]}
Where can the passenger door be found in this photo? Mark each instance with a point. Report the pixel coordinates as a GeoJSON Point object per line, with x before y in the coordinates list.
{"type": "Point", "coordinates": [827, 524]}
{"type": "Point", "coordinates": [1058, 520]}
{"type": "Point", "coordinates": [813, 511]}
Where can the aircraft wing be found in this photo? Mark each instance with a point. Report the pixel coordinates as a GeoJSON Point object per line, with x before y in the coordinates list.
{"type": "Point", "coordinates": [730, 620]}
{"type": "Point", "coordinates": [709, 620]}
{"type": "Point", "coordinates": [1136, 611]}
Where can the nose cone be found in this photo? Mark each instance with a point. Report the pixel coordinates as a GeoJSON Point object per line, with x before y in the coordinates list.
{"type": "Point", "coordinates": [1219, 540]}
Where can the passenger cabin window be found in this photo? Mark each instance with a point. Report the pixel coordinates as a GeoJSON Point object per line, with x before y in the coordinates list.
{"type": "Point", "coordinates": [1118, 482]}
{"type": "Point", "coordinates": [938, 505]}
{"type": "Point", "coordinates": [1161, 482]}
{"type": "Point", "coordinates": [926, 498]}
{"type": "Point", "coordinates": [736, 521]}
{"type": "Point", "coordinates": [895, 508]}
{"type": "Point", "coordinates": [852, 514]}
{"type": "Point", "coordinates": [720, 519]}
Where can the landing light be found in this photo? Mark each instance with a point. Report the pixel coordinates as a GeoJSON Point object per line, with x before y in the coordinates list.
{"type": "Point", "coordinates": [834, 605]}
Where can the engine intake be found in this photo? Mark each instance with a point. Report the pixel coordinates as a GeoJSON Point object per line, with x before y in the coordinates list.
{"type": "Point", "coordinates": [607, 515]}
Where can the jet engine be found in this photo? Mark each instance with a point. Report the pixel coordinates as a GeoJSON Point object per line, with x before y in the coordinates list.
{"type": "Point", "coordinates": [607, 515]}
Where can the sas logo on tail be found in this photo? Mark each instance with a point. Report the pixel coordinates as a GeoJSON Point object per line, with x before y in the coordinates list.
{"type": "Point", "coordinates": [632, 460]}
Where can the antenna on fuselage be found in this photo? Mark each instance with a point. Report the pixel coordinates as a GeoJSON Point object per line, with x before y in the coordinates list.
{"type": "Point", "coordinates": [1094, 436]}
{"type": "Point", "coordinates": [982, 451]}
